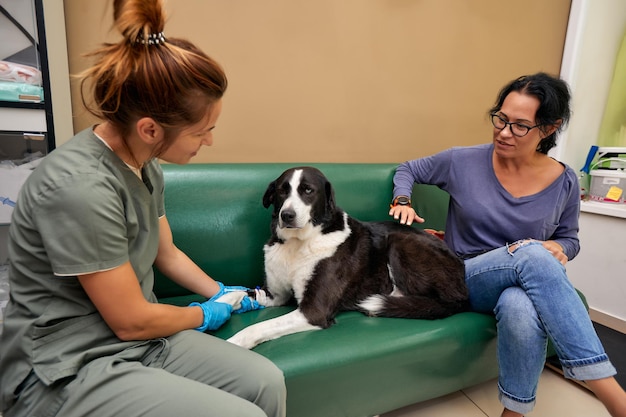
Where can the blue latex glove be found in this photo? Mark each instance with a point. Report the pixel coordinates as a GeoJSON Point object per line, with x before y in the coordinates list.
{"type": "Point", "coordinates": [224, 289]}
{"type": "Point", "coordinates": [215, 314]}
{"type": "Point", "coordinates": [247, 303]}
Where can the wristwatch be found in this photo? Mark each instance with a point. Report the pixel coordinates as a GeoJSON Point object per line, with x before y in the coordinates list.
{"type": "Point", "coordinates": [401, 200]}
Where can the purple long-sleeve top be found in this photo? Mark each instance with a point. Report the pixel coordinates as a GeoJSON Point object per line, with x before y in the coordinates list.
{"type": "Point", "coordinates": [482, 215]}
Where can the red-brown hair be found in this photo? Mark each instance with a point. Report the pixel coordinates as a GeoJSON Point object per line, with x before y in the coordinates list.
{"type": "Point", "coordinates": [172, 82]}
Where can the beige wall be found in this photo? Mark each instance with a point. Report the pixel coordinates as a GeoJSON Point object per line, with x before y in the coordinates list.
{"type": "Point", "coordinates": [349, 80]}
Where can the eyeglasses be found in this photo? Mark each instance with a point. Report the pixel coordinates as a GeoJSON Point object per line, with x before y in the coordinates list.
{"type": "Point", "coordinates": [517, 129]}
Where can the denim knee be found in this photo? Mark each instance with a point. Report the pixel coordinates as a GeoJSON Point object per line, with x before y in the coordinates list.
{"type": "Point", "coordinates": [534, 258]}
{"type": "Point", "coordinates": [516, 313]}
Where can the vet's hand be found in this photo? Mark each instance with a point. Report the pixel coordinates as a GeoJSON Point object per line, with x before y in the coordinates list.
{"type": "Point", "coordinates": [225, 289]}
{"type": "Point", "coordinates": [556, 250]}
{"type": "Point", "coordinates": [215, 314]}
{"type": "Point", "coordinates": [247, 304]}
{"type": "Point", "coordinates": [237, 297]}
{"type": "Point", "coordinates": [406, 215]}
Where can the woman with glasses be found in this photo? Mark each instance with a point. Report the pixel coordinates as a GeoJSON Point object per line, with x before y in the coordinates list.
{"type": "Point", "coordinates": [513, 217]}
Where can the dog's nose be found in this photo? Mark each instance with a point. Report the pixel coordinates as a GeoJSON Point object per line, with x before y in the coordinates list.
{"type": "Point", "coordinates": [288, 216]}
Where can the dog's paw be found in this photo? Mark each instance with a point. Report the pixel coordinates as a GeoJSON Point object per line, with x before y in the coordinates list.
{"type": "Point", "coordinates": [233, 298]}
{"type": "Point", "coordinates": [240, 339]}
{"type": "Point", "coordinates": [262, 297]}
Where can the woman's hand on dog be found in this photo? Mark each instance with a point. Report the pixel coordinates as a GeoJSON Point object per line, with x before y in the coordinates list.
{"type": "Point", "coordinates": [405, 214]}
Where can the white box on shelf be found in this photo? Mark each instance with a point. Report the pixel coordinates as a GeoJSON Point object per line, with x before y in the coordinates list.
{"type": "Point", "coordinates": [607, 185]}
{"type": "Point", "coordinates": [22, 120]}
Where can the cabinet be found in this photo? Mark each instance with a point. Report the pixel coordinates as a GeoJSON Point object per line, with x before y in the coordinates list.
{"type": "Point", "coordinates": [598, 271]}
{"type": "Point", "coordinates": [35, 104]}
{"type": "Point", "coordinates": [25, 97]}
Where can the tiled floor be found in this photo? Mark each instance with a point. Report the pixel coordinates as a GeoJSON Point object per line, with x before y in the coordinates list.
{"type": "Point", "coordinates": [556, 397]}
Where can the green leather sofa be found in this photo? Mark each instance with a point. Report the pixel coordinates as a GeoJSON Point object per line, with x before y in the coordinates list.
{"type": "Point", "coordinates": [361, 366]}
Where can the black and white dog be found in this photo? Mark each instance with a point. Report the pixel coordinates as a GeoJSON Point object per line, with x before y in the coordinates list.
{"type": "Point", "coordinates": [331, 262]}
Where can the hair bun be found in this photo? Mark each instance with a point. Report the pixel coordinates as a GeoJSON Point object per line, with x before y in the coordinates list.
{"type": "Point", "coordinates": [130, 79]}
{"type": "Point", "coordinates": [140, 21]}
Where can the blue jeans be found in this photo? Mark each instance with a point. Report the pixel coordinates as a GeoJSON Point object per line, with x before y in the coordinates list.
{"type": "Point", "coordinates": [533, 300]}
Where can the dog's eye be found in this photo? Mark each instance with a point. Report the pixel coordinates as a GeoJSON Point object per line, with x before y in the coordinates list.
{"type": "Point", "coordinates": [308, 190]}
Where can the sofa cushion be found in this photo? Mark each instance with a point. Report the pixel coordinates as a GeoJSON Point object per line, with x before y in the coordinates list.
{"type": "Point", "coordinates": [218, 219]}
{"type": "Point", "coordinates": [339, 371]}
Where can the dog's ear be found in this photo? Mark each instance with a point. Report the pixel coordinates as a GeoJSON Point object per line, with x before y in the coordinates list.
{"type": "Point", "coordinates": [330, 197]}
{"type": "Point", "coordinates": [268, 197]}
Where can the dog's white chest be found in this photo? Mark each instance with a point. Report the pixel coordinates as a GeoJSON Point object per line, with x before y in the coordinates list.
{"type": "Point", "coordinates": [290, 265]}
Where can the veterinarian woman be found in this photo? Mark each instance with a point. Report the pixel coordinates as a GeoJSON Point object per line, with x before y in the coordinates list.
{"type": "Point", "coordinates": [513, 217]}
{"type": "Point", "coordinates": [83, 333]}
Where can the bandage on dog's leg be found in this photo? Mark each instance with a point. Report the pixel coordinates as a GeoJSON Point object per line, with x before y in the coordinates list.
{"type": "Point", "coordinates": [233, 298]}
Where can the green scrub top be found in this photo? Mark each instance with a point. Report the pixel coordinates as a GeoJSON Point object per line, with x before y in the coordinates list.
{"type": "Point", "coordinates": [82, 210]}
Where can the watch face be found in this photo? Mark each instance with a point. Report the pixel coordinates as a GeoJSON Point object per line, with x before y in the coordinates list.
{"type": "Point", "coordinates": [403, 201]}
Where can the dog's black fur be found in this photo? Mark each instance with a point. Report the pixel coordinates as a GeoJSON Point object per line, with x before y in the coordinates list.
{"type": "Point", "coordinates": [330, 262]}
{"type": "Point", "coordinates": [430, 279]}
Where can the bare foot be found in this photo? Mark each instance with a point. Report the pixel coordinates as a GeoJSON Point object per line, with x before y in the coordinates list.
{"type": "Point", "coordinates": [611, 394]}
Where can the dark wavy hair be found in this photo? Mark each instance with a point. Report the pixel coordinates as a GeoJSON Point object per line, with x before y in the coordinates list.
{"type": "Point", "coordinates": [554, 103]}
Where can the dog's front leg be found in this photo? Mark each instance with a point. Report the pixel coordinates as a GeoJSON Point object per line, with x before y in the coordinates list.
{"type": "Point", "coordinates": [273, 298]}
{"type": "Point", "coordinates": [293, 322]}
